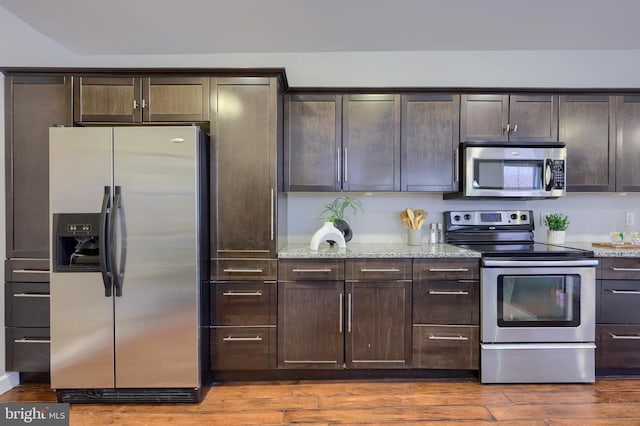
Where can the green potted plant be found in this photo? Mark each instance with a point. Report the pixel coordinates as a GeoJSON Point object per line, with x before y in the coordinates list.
{"type": "Point", "coordinates": [558, 225]}
{"type": "Point", "coordinates": [339, 210]}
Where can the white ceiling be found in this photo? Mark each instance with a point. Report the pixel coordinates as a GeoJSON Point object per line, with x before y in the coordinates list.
{"type": "Point", "coordinates": [123, 27]}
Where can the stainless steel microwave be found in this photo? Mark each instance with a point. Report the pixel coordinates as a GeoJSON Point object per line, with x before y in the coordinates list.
{"type": "Point", "coordinates": [512, 170]}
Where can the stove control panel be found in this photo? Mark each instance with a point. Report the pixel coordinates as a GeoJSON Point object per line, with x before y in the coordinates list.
{"type": "Point", "coordinates": [489, 217]}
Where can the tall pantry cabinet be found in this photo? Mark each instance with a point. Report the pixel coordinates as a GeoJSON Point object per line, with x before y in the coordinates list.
{"type": "Point", "coordinates": [33, 103]}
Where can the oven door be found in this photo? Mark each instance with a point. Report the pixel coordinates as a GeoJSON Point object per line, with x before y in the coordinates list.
{"type": "Point", "coordinates": [528, 301]}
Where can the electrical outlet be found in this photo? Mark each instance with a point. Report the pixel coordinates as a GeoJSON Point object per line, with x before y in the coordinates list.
{"type": "Point", "coordinates": [630, 219]}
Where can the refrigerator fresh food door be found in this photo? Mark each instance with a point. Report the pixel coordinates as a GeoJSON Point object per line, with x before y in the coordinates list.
{"type": "Point", "coordinates": [156, 316]}
{"type": "Point", "coordinates": [81, 316]}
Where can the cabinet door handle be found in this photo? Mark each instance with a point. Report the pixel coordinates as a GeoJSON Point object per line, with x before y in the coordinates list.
{"type": "Point", "coordinates": [625, 337]}
{"type": "Point", "coordinates": [340, 311]}
{"type": "Point", "coordinates": [243, 270]}
{"type": "Point", "coordinates": [30, 271]}
{"type": "Point", "coordinates": [456, 166]}
{"type": "Point", "coordinates": [515, 128]}
{"type": "Point", "coordinates": [346, 165]}
{"type": "Point", "coordinates": [242, 293]}
{"type": "Point", "coordinates": [145, 104]}
{"type": "Point", "coordinates": [448, 269]}
{"type": "Point", "coordinates": [458, 337]}
{"type": "Point", "coordinates": [339, 173]}
{"type": "Point", "coordinates": [31, 340]}
{"type": "Point", "coordinates": [379, 270]}
{"type": "Point", "coordinates": [450, 293]}
{"type": "Point", "coordinates": [349, 317]}
{"type": "Point", "coordinates": [32, 295]}
{"type": "Point", "coordinates": [626, 269]}
{"type": "Point", "coordinates": [311, 270]}
{"type": "Point", "coordinates": [135, 104]}
{"type": "Point", "coordinates": [507, 128]}
{"type": "Point", "coordinates": [242, 339]}
{"type": "Point", "coordinates": [624, 291]}
{"type": "Point", "coordinates": [273, 209]}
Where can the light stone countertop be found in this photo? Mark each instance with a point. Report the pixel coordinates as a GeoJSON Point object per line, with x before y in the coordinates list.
{"type": "Point", "coordinates": [375, 250]}
{"type": "Point", "coordinates": [603, 251]}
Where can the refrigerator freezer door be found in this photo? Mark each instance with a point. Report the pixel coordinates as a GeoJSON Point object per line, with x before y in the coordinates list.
{"type": "Point", "coordinates": [156, 318]}
{"type": "Point", "coordinates": [81, 332]}
{"type": "Point", "coordinates": [80, 164]}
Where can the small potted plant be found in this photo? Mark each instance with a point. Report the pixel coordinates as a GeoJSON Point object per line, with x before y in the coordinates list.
{"type": "Point", "coordinates": [557, 224]}
{"type": "Point", "coordinates": [337, 212]}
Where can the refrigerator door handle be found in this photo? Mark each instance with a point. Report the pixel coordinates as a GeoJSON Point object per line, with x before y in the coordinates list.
{"type": "Point", "coordinates": [117, 283]}
{"type": "Point", "coordinates": [103, 236]}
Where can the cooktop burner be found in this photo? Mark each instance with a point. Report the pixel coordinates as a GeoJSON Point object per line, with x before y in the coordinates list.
{"type": "Point", "coordinates": [502, 233]}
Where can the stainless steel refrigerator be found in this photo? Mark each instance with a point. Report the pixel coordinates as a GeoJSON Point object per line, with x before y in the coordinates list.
{"type": "Point", "coordinates": [128, 263]}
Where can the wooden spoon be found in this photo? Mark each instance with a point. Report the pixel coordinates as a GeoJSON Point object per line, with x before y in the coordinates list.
{"type": "Point", "coordinates": [412, 218]}
{"type": "Point", "coordinates": [405, 218]}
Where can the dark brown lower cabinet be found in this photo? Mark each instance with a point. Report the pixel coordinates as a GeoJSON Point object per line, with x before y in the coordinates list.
{"type": "Point", "coordinates": [243, 348]}
{"type": "Point", "coordinates": [446, 347]}
{"type": "Point", "coordinates": [27, 349]}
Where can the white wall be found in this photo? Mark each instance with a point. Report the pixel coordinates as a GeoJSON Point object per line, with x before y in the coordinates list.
{"type": "Point", "coordinates": [592, 215]}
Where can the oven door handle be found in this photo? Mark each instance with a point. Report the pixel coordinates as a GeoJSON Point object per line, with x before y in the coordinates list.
{"type": "Point", "coordinates": [539, 263]}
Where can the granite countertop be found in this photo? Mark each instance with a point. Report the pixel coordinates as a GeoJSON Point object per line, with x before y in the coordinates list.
{"type": "Point", "coordinates": [375, 250]}
{"type": "Point", "coordinates": [603, 251]}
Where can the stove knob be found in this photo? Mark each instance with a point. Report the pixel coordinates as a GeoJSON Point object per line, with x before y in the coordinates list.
{"type": "Point", "coordinates": [456, 218]}
{"type": "Point", "coordinates": [467, 216]}
{"type": "Point", "coordinates": [523, 217]}
{"type": "Point", "coordinates": [514, 216]}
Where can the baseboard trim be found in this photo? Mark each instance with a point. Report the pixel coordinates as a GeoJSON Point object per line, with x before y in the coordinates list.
{"type": "Point", "coordinates": [9, 381]}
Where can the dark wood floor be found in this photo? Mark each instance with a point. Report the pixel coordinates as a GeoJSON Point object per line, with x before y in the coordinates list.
{"type": "Point", "coordinates": [398, 402]}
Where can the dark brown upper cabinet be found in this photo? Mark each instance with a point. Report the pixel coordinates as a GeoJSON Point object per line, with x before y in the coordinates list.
{"type": "Point", "coordinates": [141, 99]}
{"type": "Point", "coordinates": [34, 103]}
{"type": "Point", "coordinates": [587, 125]}
{"type": "Point", "coordinates": [342, 142]}
{"type": "Point", "coordinates": [509, 117]}
{"type": "Point", "coordinates": [429, 142]}
{"type": "Point", "coordinates": [628, 143]}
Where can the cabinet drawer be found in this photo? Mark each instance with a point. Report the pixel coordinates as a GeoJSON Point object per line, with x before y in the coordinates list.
{"type": "Point", "coordinates": [243, 304]}
{"type": "Point", "coordinates": [446, 347]}
{"type": "Point", "coordinates": [27, 349]}
{"type": "Point", "coordinates": [618, 346]}
{"type": "Point", "coordinates": [619, 301]}
{"type": "Point", "coordinates": [378, 269]}
{"type": "Point", "coordinates": [27, 304]}
{"type": "Point", "coordinates": [27, 270]}
{"type": "Point", "coordinates": [311, 269]}
{"type": "Point", "coordinates": [620, 268]}
{"type": "Point", "coordinates": [447, 269]}
{"type": "Point", "coordinates": [243, 269]}
{"type": "Point", "coordinates": [243, 348]}
{"type": "Point", "coordinates": [446, 302]}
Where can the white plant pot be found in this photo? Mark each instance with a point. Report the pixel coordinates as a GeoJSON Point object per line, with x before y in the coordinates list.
{"type": "Point", "coordinates": [325, 233]}
{"type": "Point", "coordinates": [556, 237]}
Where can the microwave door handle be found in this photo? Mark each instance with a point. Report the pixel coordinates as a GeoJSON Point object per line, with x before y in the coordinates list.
{"type": "Point", "coordinates": [548, 175]}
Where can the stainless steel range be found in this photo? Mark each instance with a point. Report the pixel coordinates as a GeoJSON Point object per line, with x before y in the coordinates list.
{"type": "Point", "coordinates": [537, 300]}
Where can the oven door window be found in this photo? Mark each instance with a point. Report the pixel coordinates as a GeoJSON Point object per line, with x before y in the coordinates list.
{"type": "Point", "coordinates": [538, 300]}
{"type": "Point", "coordinates": [508, 174]}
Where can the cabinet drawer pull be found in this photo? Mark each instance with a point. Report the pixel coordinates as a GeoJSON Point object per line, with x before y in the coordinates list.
{"type": "Point", "coordinates": [458, 337]}
{"type": "Point", "coordinates": [312, 270]}
{"type": "Point", "coordinates": [626, 269]}
{"type": "Point", "coordinates": [242, 339]}
{"type": "Point", "coordinates": [242, 293]}
{"type": "Point", "coordinates": [31, 295]}
{"type": "Point", "coordinates": [379, 270]}
{"type": "Point", "coordinates": [31, 340]}
{"type": "Point", "coordinates": [450, 293]}
{"type": "Point", "coordinates": [623, 291]}
{"type": "Point", "coordinates": [625, 337]}
{"type": "Point", "coordinates": [448, 269]}
{"type": "Point", "coordinates": [243, 270]}
{"type": "Point", "coordinates": [30, 271]}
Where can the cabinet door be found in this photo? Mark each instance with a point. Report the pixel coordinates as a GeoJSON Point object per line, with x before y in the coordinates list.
{"type": "Point", "coordinates": [243, 168]}
{"type": "Point", "coordinates": [311, 324]}
{"type": "Point", "coordinates": [586, 125]}
{"type": "Point", "coordinates": [429, 142]}
{"type": "Point", "coordinates": [175, 99]}
{"type": "Point", "coordinates": [533, 118]}
{"type": "Point", "coordinates": [628, 143]}
{"type": "Point", "coordinates": [378, 324]}
{"type": "Point", "coordinates": [371, 143]}
{"type": "Point", "coordinates": [108, 99]}
{"type": "Point", "coordinates": [33, 104]}
{"type": "Point", "coordinates": [313, 142]}
{"type": "Point", "coordinates": [484, 118]}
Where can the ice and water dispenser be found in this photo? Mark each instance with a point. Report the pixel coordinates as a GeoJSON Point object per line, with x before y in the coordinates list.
{"type": "Point", "coordinates": [77, 242]}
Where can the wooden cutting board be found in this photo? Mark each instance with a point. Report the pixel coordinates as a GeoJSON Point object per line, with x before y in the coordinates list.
{"type": "Point", "coordinates": [617, 246]}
